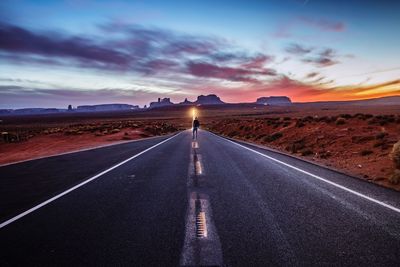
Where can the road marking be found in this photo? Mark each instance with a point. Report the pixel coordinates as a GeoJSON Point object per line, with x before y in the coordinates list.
{"type": "Point", "coordinates": [201, 224]}
{"type": "Point", "coordinates": [202, 246]}
{"type": "Point", "coordinates": [198, 170]}
{"type": "Point", "coordinates": [195, 144]}
{"type": "Point", "coordinates": [81, 184]}
{"type": "Point", "coordinates": [316, 176]}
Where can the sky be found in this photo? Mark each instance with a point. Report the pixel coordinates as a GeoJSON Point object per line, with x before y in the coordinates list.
{"type": "Point", "coordinates": [56, 53]}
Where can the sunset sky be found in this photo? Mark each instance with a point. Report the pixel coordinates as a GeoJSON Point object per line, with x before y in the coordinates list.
{"type": "Point", "coordinates": [55, 53]}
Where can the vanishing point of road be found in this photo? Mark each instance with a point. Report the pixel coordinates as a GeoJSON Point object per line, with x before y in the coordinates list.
{"type": "Point", "coordinates": [171, 200]}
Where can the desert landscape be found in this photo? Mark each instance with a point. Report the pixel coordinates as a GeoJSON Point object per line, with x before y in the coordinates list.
{"type": "Point", "coordinates": [40, 137]}
{"type": "Point", "coordinates": [358, 144]}
{"type": "Point", "coordinates": [354, 139]}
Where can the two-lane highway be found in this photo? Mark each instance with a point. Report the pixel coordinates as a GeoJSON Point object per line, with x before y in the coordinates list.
{"type": "Point", "coordinates": [173, 201]}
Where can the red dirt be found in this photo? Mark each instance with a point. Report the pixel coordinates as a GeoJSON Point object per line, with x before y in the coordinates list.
{"type": "Point", "coordinates": [46, 145]}
{"type": "Point", "coordinates": [34, 140]}
{"type": "Point", "coordinates": [360, 147]}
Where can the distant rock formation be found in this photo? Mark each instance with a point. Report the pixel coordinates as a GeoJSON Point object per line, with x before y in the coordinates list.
{"type": "Point", "coordinates": [186, 102]}
{"type": "Point", "coordinates": [161, 103]}
{"type": "Point", "coordinates": [106, 107]}
{"type": "Point", "coordinates": [208, 100]}
{"type": "Point", "coordinates": [27, 111]}
{"type": "Point", "coordinates": [274, 101]}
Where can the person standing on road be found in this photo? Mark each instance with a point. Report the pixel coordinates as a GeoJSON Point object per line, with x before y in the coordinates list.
{"type": "Point", "coordinates": [196, 125]}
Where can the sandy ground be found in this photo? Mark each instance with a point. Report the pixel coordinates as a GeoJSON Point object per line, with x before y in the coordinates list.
{"type": "Point", "coordinates": [40, 140]}
{"type": "Point", "coordinates": [356, 145]}
{"type": "Point", "coordinates": [53, 144]}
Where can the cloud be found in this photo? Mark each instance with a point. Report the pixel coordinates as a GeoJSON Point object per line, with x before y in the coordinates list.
{"type": "Point", "coordinates": [18, 40]}
{"type": "Point", "coordinates": [326, 57]}
{"type": "Point", "coordinates": [324, 24]}
{"type": "Point", "coordinates": [257, 62]}
{"type": "Point", "coordinates": [132, 49]}
{"type": "Point", "coordinates": [297, 49]}
{"type": "Point", "coordinates": [288, 29]}
{"type": "Point", "coordinates": [328, 52]}
{"type": "Point", "coordinates": [312, 74]}
{"type": "Point", "coordinates": [321, 61]}
{"type": "Point", "coordinates": [203, 69]}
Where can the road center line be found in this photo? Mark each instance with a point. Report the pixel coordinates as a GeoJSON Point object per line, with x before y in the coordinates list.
{"type": "Point", "coordinates": [19, 216]}
{"type": "Point", "coordinates": [316, 176]}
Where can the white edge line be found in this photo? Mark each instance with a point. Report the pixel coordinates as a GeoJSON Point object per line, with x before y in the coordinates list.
{"type": "Point", "coordinates": [19, 216]}
{"type": "Point", "coordinates": [82, 150]}
{"type": "Point", "coordinates": [317, 177]}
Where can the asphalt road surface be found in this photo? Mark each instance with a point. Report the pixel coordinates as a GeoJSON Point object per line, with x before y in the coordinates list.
{"type": "Point", "coordinates": [172, 201]}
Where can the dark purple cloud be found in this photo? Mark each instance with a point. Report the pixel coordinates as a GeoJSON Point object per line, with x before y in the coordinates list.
{"type": "Point", "coordinates": [131, 48]}
{"type": "Point", "coordinates": [18, 40]}
{"type": "Point", "coordinates": [257, 62]}
{"type": "Point", "coordinates": [321, 61]}
{"type": "Point", "coordinates": [202, 69]}
{"type": "Point", "coordinates": [287, 29]}
{"type": "Point", "coordinates": [297, 49]}
{"type": "Point", "coordinates": [324, 24]}
{"type": "Point", "coordinates": [326, 57]}
{"type": "Point", "coordinates": [312, 74]}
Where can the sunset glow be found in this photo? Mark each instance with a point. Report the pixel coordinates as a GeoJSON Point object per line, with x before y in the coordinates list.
{"type": "Point", "coordinates": [56, 53]}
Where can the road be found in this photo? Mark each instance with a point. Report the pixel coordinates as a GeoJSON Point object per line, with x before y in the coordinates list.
{"type": "Point", "coordinates": [172, 201]}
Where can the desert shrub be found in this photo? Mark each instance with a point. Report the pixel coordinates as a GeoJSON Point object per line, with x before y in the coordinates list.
{"type": "Point", "coordinates": [276, 136]}
{"type": "Point", "coordinates": [359, 116]}
{"type": "Point", "coordinates": [381, 135]}
{"type": "Point", "coordinates": [382, 119]}
{"type": "Point", "coordinates": [241, 127]}
{"type": "Point", "coordinates": [273, 137]}
{"type": "Point", "coordinates": [345, 116]}
{"type": "Point", "coordinates": [379, 143]}
{"type": "Point", "coordinates": [71, 132]}
{"type": "Point", "coordinates": [249, 136]}
{"type": "Point", "coordinates": [358, 139]}
{"type": "Point", "coordinates": [308, 119]}
{"type": "Point", "coordinates": [325, 119]}
{"type": "Point", "coordinates": [113, 131]}
{"type": "Point", "coordinates": [286, 118]}
{"type": "Point", "coordinates": [260, 136]}
{"type": "Point", "coordinates": [365, 152]}
{"type": "Point", "coordinates": [296, 146]}
{"type": "Point", "coordinates": [307, 152]}
{"type": "Point", "coordinates": [286, 124]}
{"type": "Point", "coordinates": [325, 154]}
{"type": "Point", "coordinates": [368, 116]}
{"type": "Point", "coordinates": [300, 123]}
{"type": "Point", "coordinates": [125, 137]}
{"type": "Point", "coordinates": [395, 155]}
{"type": "Point", "coordinates": [233, 133]}
{"type": "Point", "coordinates": [340, 121]}
{"type": "Point", "coordinates": [395, 177]}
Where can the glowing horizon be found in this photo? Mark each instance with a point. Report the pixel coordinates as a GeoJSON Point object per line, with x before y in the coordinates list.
{"type": "Point", "coordinates": [57, 53]}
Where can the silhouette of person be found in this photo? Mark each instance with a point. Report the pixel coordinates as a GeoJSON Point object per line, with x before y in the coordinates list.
{"type": "Point", "coordinates": [196, 125]}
